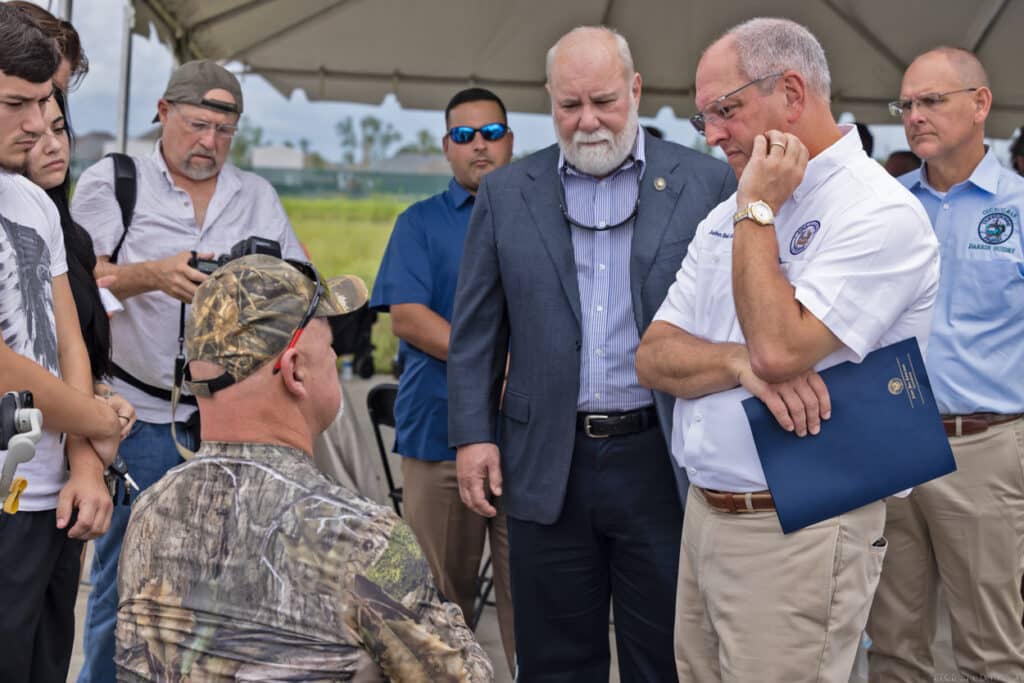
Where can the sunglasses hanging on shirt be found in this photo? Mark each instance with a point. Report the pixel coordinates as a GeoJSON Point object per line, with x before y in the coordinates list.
{"type": "Point", "coordinates": [600, 225]}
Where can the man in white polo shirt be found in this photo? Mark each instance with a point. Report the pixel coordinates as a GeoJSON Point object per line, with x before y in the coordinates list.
{"type": "Point", "coordinates": [819, 258]}
{"type": "Point", "coordinates": [188, 200]}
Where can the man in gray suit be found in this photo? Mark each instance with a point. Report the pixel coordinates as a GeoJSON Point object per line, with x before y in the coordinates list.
{"type": "Point", "coordinates": [568, 256]}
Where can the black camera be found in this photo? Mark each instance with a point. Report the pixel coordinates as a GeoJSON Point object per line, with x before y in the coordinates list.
{"type": "Point", "coordinates": [10, 424]}
{"type": "Point", "coordinates": [250, 245]}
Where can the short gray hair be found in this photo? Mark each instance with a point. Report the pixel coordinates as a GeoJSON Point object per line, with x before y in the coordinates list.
{"type": "Point", "coordinates": [767, 45]}
{"type": "Point", "coordinates": [620, 44]}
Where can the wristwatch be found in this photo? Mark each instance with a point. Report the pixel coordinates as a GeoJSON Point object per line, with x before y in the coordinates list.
{"type": "Point", "coordinates": [758, 211]}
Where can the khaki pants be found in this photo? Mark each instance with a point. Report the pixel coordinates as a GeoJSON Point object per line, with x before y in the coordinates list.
{"type": "Point", "coordinates": [452, 538]}
{"type": "Point", "coordinates": [754, 604]}
{"type": "Point", "coordinates": [965, 531]}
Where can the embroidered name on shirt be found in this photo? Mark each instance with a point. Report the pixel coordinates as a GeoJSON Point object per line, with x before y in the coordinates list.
{"type": "Point", "coordinates": [723, 235]}
{"type": "Point", "coordinates": [971, 246]}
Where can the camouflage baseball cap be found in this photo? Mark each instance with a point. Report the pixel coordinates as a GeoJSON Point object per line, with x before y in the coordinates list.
{"type": "Point", "coordinates": [246, 312]}
{"type": "Point", "coordinates": [192, 80]}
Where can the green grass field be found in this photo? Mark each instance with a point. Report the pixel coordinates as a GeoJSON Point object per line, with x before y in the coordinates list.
{"type": "Point", "coordinates": [348, 236]}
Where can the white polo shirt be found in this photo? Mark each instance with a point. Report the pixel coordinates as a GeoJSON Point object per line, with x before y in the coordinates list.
{"type": "Point", "coordinates": [144, 337]}
{"type": "Point", "coordinates": [861, 254]}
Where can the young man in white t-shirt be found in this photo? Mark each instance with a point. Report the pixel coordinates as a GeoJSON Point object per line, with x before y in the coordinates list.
{"type": "Point", "coordinates": [42, 350]}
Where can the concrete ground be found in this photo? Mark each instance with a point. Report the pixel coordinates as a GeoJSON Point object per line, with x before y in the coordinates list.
{"type": "Point", "coordinates": [487, 631]}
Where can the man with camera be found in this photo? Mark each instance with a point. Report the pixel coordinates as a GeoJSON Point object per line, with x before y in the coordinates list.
{"type": "Point", "coordinates": [189, 203]}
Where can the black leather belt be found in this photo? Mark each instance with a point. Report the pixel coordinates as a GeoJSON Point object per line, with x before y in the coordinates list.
{"type": "Point", "coordinates": [603, 425]}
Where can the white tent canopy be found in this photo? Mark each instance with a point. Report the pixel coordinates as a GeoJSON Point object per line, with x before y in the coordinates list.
{"type": "Point", "coordinates": [361, 50]}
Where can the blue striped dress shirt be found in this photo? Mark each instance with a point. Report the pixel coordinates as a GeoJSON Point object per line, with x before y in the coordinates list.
{"type": "Point", "coordinates": [608, 381]}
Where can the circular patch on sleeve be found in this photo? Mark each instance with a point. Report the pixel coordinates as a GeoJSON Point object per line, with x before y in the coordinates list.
{"type": "Point", "coordinates": [803, 236]}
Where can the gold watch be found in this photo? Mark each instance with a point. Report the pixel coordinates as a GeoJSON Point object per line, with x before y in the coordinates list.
{"type": "Point", "coordinates": [758, 211]}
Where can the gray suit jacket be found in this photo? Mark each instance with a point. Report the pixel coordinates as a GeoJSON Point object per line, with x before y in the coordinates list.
{"type": "Point", "coordinates": [518, 289]}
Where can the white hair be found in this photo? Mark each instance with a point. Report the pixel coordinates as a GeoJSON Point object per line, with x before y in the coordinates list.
{"type": "Point", "coordinates": [622, 47]}
{"type": "Point", "coordinates": [767, 45]}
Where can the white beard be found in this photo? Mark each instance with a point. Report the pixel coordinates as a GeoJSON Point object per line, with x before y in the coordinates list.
{"type": "Point", "coordinates": [600, 160]}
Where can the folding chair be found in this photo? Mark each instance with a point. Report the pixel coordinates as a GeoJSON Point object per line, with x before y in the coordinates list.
{"type": "Point", "coordinates": [484, 586]}
{"type": "Point", "coordinates": [380, 403]}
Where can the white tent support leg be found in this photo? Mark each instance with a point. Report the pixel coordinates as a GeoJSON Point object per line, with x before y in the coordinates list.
{"type": "Point", "coordinates": [126, 75]}
{"type": "Point", "coordinates": [60, 9]}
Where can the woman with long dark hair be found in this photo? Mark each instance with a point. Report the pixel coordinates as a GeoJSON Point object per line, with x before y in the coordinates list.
{"type": "Point", "coordinates": [48, 168]}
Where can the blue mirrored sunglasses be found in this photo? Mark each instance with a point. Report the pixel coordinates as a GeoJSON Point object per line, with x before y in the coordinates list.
{"type": "Point", "coordinates": [461, 135]}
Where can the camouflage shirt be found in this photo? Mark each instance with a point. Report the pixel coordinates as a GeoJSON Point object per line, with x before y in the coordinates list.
{"type": "Point", "coordinates": [245, 563]}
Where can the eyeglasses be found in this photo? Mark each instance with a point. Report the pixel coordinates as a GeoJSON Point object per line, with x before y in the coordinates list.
{"type": "Point", "coordinates": [462, 135]}
{"type": "Point", "coordinates": [715, 113]}
{"type": "Point", "coordinates": [225, 131]}
{"type": "Point", "coordinates": [309, 271]}
{"type": "Point", "coordinates": [901, 108]}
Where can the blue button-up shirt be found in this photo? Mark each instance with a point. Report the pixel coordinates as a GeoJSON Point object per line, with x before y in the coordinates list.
{"type": "Point", "coordinates": [976, 354]}
{"type": "Point", "coordinates": [608, 380]}
{"type": "Point", "coordinates": [421, 266]}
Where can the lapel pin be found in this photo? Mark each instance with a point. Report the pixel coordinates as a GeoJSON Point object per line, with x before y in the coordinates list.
{"type": "Point", "coordinates": [659, 184]}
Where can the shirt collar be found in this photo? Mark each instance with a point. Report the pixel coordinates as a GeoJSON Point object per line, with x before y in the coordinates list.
{"type": "Point", "coordinates": [637, 157]}
{"type": "Point", "coordinates": [161, 163]}
{"type": "Point", "coordinates": [985, 175]}
{"type": "Point", "coordinates": [831, 159]}
{"type": "Point", "coordinates": [458, 195]}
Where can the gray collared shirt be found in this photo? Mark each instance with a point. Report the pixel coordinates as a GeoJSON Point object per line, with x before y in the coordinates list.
{"type": "Point", "coordinates": [144, 336]}
{"type": "Point", "coordinates": [608, 380]}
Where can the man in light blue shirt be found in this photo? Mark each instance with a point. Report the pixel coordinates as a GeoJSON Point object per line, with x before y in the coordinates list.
{"type": "Point", "coordinates": [965, 530]}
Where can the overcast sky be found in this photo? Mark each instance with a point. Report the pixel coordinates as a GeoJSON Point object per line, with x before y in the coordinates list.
{"type": "Point", "coordinates": [94, 104]}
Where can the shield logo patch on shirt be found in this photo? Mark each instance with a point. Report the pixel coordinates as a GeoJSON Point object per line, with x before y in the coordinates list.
{"type": "Point", "coordinates": [995, 227]}
{"type": "Point", "coordinates": [803, 236]}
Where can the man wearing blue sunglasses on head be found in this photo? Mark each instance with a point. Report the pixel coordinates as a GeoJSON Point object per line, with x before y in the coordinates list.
{"type": "Point", "coordinates": [416, 283]}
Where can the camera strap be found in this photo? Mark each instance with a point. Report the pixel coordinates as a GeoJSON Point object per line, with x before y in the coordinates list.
{"type": "Point", "coordinates": [179, 360]}
{"type": "Point", "coordinates": [179, 375]}
{"type": "Point", "coordinates": [179, 372]}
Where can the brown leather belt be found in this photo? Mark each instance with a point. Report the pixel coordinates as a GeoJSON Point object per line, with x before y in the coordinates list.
{"type": "Point", "coordinates": [975, 423]}
{"type": "Point", "coordinates": [738, 503]}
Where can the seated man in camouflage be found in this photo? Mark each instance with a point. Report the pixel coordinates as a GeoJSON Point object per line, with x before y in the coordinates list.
{"type": "Point", "coordinates": [245, 563]}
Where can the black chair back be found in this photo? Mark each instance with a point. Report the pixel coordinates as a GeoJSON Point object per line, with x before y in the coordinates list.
{"type": "Point", "coordinates": [380, 403]}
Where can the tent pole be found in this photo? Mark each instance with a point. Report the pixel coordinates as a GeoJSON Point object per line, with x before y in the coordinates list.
{"type": "Point", "coordinates": [62, 9]}
{"type": "Point", "coordinates": [126, 75]}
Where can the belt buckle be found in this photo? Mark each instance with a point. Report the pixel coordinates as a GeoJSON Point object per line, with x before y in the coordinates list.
{"type": "Point", "coordinates": [586, 426]}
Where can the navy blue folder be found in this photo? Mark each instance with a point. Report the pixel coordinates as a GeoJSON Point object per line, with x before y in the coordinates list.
{"type": "Point", "coordinates": [885, 435]}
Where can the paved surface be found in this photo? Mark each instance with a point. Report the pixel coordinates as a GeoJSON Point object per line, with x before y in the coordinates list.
{"type": "Point", "coordinates": [487, 631]}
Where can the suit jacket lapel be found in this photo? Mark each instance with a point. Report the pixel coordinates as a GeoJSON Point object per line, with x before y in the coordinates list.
{"type": "Point", "coordinates": [543, 201]}
{"type": "Point", "coordinates": [656, 209]}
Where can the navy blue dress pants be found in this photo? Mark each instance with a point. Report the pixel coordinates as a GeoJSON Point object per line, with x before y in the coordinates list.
{"type": "Point", "coordinates": [615, 543]}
